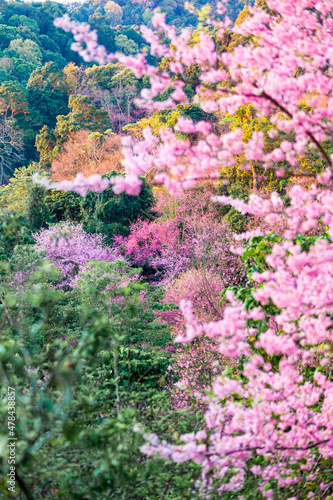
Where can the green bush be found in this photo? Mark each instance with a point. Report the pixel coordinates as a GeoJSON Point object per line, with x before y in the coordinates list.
{"type": "Point", "coordinates": [106, 213]}
{"type": "Point", "coordinates": [14, 230]}
{"type": "Point", "coordinates": [87, 364]}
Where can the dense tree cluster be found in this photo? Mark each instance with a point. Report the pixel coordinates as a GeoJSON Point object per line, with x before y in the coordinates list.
{"type": "Point", "coordinates": [40, 75]}
{"type": "Point", "coordinates": [43, 83]}
{"type": "Point", "coordinates": [141, 11]}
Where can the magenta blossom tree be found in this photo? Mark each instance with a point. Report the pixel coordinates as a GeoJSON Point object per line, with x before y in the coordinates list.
{"type": "Point", "coordinates": [158, 245]}
{"type": "Point", "coordinates": [70, 248]}
{"type": "Point", "coordinates": [170, 247]}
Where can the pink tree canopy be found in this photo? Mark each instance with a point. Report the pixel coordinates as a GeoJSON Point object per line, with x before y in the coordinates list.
{"type": "Point", "coordinates": [70, 247]}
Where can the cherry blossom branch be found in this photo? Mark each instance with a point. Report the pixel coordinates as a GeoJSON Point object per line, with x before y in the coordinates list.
{"type": "Point", "coordinates": [309, 134]}
{"type": "Point", "coordinates": [277, 448]}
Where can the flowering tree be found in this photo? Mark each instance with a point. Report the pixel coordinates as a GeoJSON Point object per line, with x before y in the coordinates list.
{"type": "Point", "coordinates": [270, 422]}
{"type": "Point", "coordinates": [196, 366]}
{"type": "Point", "coordinates": [156, 247]}
{"type": "Point", "coordinates": [70, 247]}
{"type": "Point", "coordinates": [89, 154]}
{"type": "Point", "coordinates": [274, 419]}
{"type": "Point", "coordinates": [202, 288]}
{"type": "Point", "coordinates": [187, 235]}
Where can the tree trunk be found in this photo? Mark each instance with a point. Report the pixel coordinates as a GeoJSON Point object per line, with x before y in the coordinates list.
{"type": "Point", "coordinates": [254, 177]}
{"type": "Point", "coordinates": [116, 380]}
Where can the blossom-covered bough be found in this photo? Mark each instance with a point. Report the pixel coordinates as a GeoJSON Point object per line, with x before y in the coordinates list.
{"type": "Point", "coordinates": [271, 423]}
{"type": "Point", "coordinates": [290, 57]}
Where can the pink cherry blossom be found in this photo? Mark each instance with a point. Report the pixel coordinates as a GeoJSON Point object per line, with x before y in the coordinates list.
{"type": "Point", "coordinates": [70, 248]}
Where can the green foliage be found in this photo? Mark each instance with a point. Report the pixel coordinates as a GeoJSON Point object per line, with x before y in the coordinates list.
{"type": "Point", "coordinates": [19, 70]}
{"type": "Point", "coordinates": [168, 118]}
{"type": "Point", "coordinates": [100, 76]}
{"type": "Point", "coordinates": [236, 220]}
{"type": "Point", "coordinates": [36, 210]}
{"type": "Point", "coordinates": [62, 205]}
{"type": "Point", "coordinates": [14, 195]}
{"type": "Point", "coordinates": [47, 94]}
{"type": "Point", "coordinates": [20, 20]}
{"type": "Point", "coordinates": [256, 250]}
{"type": "Point", "coordinates": [84, 114]}
{"type": "Point", "coordinates": [13, 99]}
{"type": "Point", "coordinates": [141, 12]}
{"type": "Point", "coordinates": [34, 23]}
{"type": "Point", "coordinates": [27, 50]}
{"type": "Point", "coordinates": [111, 214]}
{"type": "Point", "coordinates": [82, 380]}
{"type": "Point", "coordinates": [105, 213]}
{"type": "Point", "coordinates": [47, 146]}
{"type": "Point", "coordinates": [258, 247]}
{"type": "Point", "coordinates": [7, 34]}
{"type": "Point", "coordinates": [14, 230]}
{"type": "Point", "coordinates": [126, 45]}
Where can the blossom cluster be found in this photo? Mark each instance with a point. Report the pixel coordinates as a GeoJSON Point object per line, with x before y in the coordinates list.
{"type": "Point", "coordinates": [70, 248]}
{"type": "Point", "coordinates": [279, 408]}
{"type": "Point", "coordinates": [95, 183]}
{"type": "Point", "coordinates": [156, 245]}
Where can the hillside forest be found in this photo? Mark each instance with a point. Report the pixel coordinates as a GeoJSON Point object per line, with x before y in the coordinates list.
{"type": "Point", "coordinates": [166, 252]}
